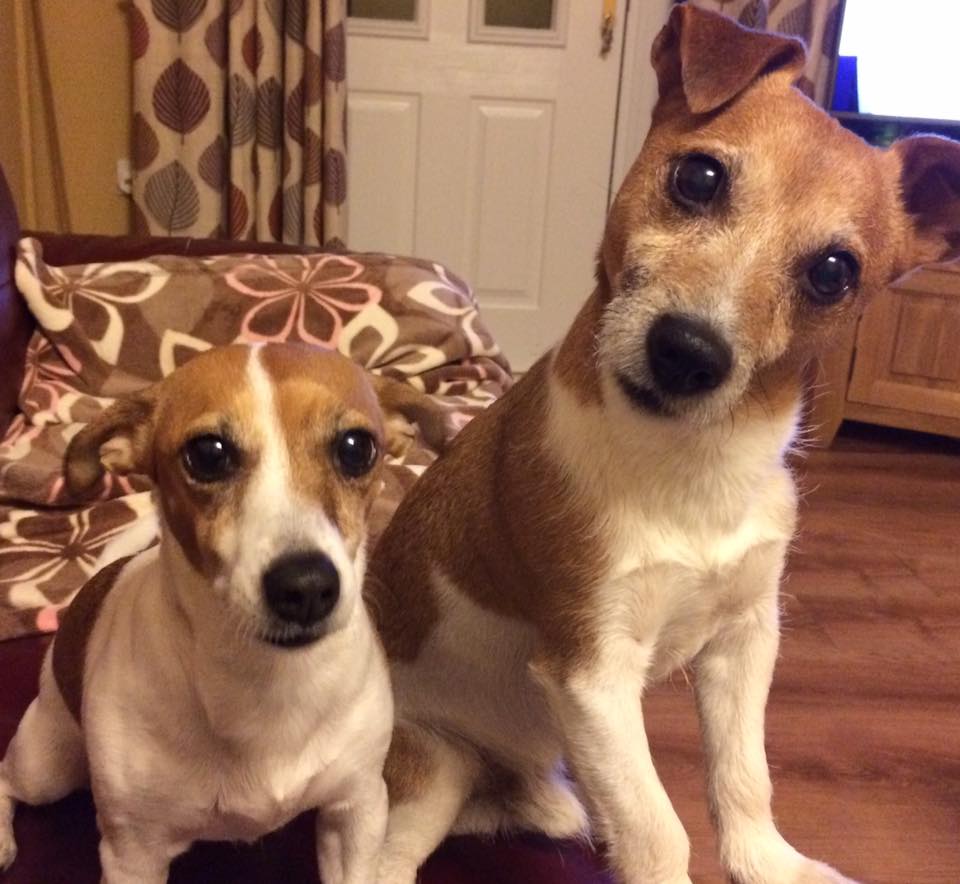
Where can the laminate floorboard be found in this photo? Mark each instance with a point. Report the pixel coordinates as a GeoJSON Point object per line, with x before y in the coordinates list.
{"type": "Point", "coordinates": [863, 725]}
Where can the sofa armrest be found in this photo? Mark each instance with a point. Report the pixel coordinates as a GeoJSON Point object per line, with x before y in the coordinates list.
{"type": "Point", "coordinates": [16, 326]}
{"type": "Point", "coordinates": [16, 323]}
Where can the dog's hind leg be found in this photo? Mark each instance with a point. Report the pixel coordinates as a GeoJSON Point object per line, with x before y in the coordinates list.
{"type": "Point", "coordinates": [45, 760]}
{"type": "Point", "coordinates": [428, 781]}
{"type": "Point", "coordinates": [535, 801]}
{"type": "Point", "coordinates": [548, 804]}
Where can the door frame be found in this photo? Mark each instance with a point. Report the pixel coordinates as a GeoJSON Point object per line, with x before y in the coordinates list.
{"type": "Point", "coordinates": [638, 84]}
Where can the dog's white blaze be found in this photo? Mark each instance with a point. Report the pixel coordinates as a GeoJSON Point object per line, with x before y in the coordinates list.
{"type": "Point", "coordinates": [277, 518]}
{"type": "Point", "coordinates": [271, 486]}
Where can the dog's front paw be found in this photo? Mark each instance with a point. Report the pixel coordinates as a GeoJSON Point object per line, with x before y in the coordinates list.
{"type": "Point", "coordinates": [8, 850]}
{"type": "Point", "coordinates": [393, 870]}
{"type": "Point", "coordinates": [767, 858]}
{"type": "Point", "coordinates": [789, 868]}
{"type": "Point", "coordinates": [812, 872]}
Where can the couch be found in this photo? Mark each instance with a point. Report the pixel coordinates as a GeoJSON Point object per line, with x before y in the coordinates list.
{"type": "Point", "coordinates": [58, 843]}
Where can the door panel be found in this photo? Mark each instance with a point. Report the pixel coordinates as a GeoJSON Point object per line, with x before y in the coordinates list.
{"type": "Point", "coordinates": [929, 348]}
{"type": "Point", "coordinates": [383, 160]}
{"type": "Point", "coordinates": [510, 147]}
{"type": "Point", "coordinates": [907, 356]}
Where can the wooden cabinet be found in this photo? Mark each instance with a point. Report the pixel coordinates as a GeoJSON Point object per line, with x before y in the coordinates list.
{"type": "Point", "coordinates": [901, 366]}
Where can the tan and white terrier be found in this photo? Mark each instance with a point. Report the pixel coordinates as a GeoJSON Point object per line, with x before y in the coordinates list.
{"type": "Point", "coordinates": [625, 509]}
{"type": "Point", "coordinates": [222, 682]}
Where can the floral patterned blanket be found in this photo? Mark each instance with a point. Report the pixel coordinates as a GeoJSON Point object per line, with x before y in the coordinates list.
{"type": "Point", "coordinates": [110, 328]}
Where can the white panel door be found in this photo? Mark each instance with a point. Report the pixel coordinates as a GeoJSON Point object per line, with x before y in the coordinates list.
{"type": "Point", "coordinates": [481, 135]}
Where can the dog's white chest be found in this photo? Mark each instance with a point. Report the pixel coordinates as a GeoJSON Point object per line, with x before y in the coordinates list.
{"type": "Point", "coordinates": [261, 798]}
{"type": "Point", "coordinates": [673, 588]}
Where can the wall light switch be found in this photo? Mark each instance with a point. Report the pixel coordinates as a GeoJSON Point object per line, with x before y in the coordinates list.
{"type": "Point", "coordinates": [124, 176]}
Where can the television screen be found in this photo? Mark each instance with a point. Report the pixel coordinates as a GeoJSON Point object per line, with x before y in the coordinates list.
{"type": "Point", "coordinates": [899, 60]}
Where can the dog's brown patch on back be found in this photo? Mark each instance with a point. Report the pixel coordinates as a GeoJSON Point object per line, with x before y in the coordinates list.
{"type": "Point", "coordinates": [73, 635]}
{"type": "Point", "coordinates": [497, 516]}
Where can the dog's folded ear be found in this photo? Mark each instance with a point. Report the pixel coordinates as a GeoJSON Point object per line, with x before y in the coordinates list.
{"type": "Point", "coordinates": [713, 59]}
{"type": "Point", "coordinates": [404, 406]}
{"type": "Point", "coordinates": [118, 440]}
{"type": "Point", "coordinates": [930, 190]}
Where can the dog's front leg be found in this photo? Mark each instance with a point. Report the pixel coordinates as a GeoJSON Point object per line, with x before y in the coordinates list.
{"type": "Point", "coordinates": [135, 854]}
{"type": "Point", "coordinates": [732, 679]}
{"type": "Point", "coordinates": [350, 837]}
{"type": "Point", "coordinates": [598, 708]}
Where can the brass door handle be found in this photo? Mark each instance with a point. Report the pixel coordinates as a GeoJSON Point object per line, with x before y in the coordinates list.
{"type": "Point", "coordinates": [606, 27]}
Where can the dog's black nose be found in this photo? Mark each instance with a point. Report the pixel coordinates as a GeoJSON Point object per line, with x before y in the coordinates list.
{"type": "Point", "coordinates": [687, 356]}
{"type": "Point", "coordinates": [302, 588]}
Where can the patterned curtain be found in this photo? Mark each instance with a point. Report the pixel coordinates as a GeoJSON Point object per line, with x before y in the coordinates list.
{"type": "Point", "coordinates": [816, 22]}
{"type": "Point", "coordinates": [239, 124]}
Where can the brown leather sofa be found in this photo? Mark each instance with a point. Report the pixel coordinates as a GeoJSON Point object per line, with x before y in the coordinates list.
{"type": "Point", "coordinates": [58, 844]}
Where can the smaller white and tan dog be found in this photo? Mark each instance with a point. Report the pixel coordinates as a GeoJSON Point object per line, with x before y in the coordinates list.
{"type": "Point", "coordinates": [222, 682]}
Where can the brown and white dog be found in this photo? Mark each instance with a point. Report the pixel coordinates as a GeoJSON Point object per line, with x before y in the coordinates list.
{"type": "Point", "coordinates": [218, 684]}
{"type": "Point", "coordinates": [625, 509]}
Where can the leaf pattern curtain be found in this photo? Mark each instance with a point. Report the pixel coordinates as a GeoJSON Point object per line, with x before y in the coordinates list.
{"type": "Point", "coordinates": [239, 124]}
{"type": "Point", "coordinates": [816, 22]}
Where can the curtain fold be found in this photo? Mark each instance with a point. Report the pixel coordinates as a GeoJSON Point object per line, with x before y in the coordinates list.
{"type": "Point", "coordinates": [239, 119]}
{"type": "Point", "coordinates": [816, 22]}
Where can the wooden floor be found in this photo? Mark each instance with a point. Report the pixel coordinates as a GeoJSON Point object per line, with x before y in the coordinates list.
{"type": "Point", "coordinates": [863, 729]}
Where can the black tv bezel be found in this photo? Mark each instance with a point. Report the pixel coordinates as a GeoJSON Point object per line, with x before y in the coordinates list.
{"type": "Point", "coordinates": [914, 124]}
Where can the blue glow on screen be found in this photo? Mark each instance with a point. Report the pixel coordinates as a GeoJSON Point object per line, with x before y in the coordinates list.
{"type": "Point", "coordinates": [908, 57]}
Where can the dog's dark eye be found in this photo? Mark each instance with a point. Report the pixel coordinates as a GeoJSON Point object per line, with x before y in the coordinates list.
{"type": "Point", "coordinates": [210, 458]}
{"type": "Point", "coordinates": [697, 179]}
{"type": "Point", "coordinates": [356, 452]}
{"type": "Point", "coordinates": [832, 276]}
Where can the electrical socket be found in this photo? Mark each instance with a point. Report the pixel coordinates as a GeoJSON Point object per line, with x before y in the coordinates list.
{"type": "Point", "coordinates": [124, 176]}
